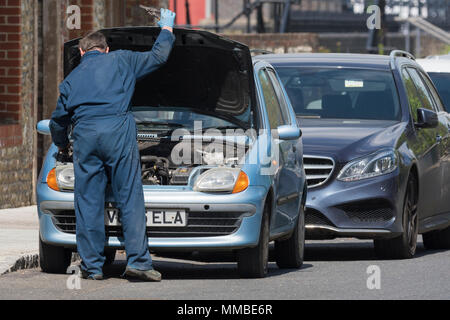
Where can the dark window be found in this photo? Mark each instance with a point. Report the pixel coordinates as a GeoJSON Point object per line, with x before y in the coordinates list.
{"type": "Point", "coordinates": [442, 83]}
{"type": "Point", "coordinates": [271, 100]}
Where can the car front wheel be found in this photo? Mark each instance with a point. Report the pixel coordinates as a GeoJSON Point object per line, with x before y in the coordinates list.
{"type": "Point", "coordinates": [289, 253]}
{"type": "Point", "coordinates": [253, 262]}
{"type": "Point", "coordinates": [404, 246]}
{"type": "Point", "coordinates": [53, 259]}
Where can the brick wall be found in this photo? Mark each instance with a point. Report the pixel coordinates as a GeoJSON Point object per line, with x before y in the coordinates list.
{"type": "Point", "coordinates": [10, 63]}
{"type": "Point", "coordinates": [17, 102]}
{"type": "Point", "coordinates": [279, 43]}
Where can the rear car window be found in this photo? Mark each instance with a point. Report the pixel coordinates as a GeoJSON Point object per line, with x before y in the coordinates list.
{"type": "Point", "coordinates": [442, 83]}
{"type": "Point", "coordinates": [417, 98]}
{"type": "Point", "coordinates": [336, 93]}
{"type": "Point", "coordinates": [424, 94]}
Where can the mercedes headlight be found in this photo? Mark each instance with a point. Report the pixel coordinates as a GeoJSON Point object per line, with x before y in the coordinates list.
{"type": "Point", "coordinates": [222, 180]}
{"type": "Point", "coordinates": [374, 165]}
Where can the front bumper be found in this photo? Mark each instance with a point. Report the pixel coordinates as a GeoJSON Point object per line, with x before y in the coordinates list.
{"type": "Point", "coordinates": [366, 209]}
{"type": "Point", "coordinates": [243, 210]}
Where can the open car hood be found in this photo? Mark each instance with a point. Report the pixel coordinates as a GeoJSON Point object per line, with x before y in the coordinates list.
{"type": "Point", "coordinates": [205, 72]}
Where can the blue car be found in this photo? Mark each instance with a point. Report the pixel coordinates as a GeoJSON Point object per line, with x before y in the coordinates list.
{"type": "Point", "coordinates": [221, 157]}
{"type": "Point", "coordinates": [376, 149]}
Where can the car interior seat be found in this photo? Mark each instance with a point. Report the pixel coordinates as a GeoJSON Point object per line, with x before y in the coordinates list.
{"type": "Point", "coordinates": [337, 106]}
{"type": "Point", "coordinates": [377, 105]}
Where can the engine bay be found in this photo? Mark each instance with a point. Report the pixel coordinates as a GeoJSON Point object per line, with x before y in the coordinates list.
{"type": "Point", "coordinates": [168, 162]}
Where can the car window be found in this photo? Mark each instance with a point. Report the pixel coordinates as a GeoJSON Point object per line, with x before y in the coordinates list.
{"type": "Point", "coordinates": [413, 96]}
{"type": "Point", "coordinates": [424, 94]}
{"type": "Point", "coordinates": [280, 95]}
{"type": "Point", "coordinates": [270, 98]}
{"type": "Point", "coordinates": [442, 84]}
{"type": "Point", "coordinates": [436, 99]}
{"type": "Point", "coordinates": [341, 93]}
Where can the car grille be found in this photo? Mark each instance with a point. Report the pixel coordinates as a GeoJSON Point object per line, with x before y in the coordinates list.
{"type": "Point", "coordinates": [200, 224]}
{"type": "Point", "coordinates": [372, 211]}
{"type": "Point", "coordinates": [318, 170]}
{"type": "Point", "coordinates": [314, 217]}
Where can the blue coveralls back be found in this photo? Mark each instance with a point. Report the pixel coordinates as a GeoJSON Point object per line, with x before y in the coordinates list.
{"type": "Point", "coordinates": [95, 97]}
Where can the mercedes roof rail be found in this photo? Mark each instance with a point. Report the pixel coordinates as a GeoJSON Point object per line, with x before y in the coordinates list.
{"type": "Point", "coordinates": [400, 53]}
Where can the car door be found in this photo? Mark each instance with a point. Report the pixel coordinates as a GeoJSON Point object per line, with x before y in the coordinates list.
{"type": "Point", "coordinates": [285, 185]}
{"type": "Point", "coordinates": [444, 135]}
{"type": "Point", "coordinates": [425, 144]}
{"type": "Point", "coordinates": [290, 182]}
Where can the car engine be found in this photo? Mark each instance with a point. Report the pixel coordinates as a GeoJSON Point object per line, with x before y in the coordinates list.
{"type": "Point", "coordinates": [160, 168]}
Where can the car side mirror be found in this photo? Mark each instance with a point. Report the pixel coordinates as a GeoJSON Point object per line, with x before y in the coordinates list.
{"type": "Point", "coordinates": [289, 133]}
{"type": "Point", "coordinates": [43, 127]}
{"type": "Point", "coordinates": [426, 118]}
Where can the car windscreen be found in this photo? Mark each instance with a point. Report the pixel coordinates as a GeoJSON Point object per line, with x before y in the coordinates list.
{"type": "Point", "coordinates": [163, 118]}
{"type": "Point", "coordinates": [341, 93]}
{"type": "Point", "coordinates": [442, 83]}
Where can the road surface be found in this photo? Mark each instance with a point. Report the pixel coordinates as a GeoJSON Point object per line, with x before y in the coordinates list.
{"type": "Point", "coordinates": [332, 270]}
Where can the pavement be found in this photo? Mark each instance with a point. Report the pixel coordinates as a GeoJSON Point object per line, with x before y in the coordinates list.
{"type": "Point", "coordinates": [19, 239]}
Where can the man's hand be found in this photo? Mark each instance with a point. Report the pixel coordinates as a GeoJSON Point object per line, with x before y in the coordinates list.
{"type": "Point", "coordinates": [64, 154]}
{"type": "Point", "coordinates": [167, 19]}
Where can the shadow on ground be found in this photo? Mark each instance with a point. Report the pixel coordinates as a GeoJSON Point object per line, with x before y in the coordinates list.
{"type": "Point", "coordinates": [351, 251]}
{"type": "Point", "coordinates": [222, 265]}
{"type": "Point", "coordinates": [189, 270]}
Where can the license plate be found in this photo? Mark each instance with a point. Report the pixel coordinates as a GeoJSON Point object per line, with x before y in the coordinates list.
{"type": "Point", "coordinates": [155, 218]}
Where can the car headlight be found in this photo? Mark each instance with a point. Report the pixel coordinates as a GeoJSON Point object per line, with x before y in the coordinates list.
{"type": "Point", "coordinates": [62, 177]}
{"type": "Point", "coordinates": [222, 180]}
{"type": "Point", "coordinates": [371, 166]}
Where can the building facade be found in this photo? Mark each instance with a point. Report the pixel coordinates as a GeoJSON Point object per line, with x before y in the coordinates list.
{"type": "Point", "coordinates": [32, 34]}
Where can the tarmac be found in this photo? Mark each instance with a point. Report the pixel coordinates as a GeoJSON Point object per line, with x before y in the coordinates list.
{"type": "Point", "coordinates": [19, 239]}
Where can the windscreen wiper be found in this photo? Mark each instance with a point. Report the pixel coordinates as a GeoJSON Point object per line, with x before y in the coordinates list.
{"type": "Point", "coordinates": [222, 128]}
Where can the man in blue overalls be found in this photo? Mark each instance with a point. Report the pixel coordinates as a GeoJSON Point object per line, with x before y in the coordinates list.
{"type": "Point", "coordinates": [96, 98]}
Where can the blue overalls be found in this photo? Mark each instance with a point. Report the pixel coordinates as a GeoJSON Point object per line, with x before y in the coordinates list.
{"type": "Point", "coordinates": [96, 98]}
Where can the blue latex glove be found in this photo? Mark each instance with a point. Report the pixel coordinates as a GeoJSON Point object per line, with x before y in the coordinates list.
{"type": "Point", "coordinates": [167, 18]}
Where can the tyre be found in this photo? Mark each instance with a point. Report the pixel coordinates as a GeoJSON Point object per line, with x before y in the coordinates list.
{"type": "Point", "coordinates": [53, 259]}
{"type": "Point", "coordinates": [110, 255]}
{"type": "Point", "coordinates": [253, 262]}
{"type": "Point", "coordinates": [404, 246]}
{"type": "Point", "coordinates": [289, 253]}
{"type": "Point", "coordinates": [438, 239]}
